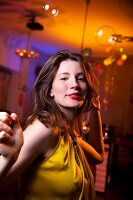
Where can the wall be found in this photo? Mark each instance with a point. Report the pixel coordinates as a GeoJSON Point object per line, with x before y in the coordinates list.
{"type": "Point", "coordinates": [4, 82]}
{"type": "Point", "coordinates": [15, 95]}
{"type": "Point", "coordinates": [8, 58]}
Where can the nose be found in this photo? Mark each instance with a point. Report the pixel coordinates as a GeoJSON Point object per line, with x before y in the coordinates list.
{"type": "Point", "coordinates": [74, 82]}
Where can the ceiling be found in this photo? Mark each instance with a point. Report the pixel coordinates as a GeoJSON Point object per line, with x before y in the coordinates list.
{"type": "Point", "coordinates": [65, 31]}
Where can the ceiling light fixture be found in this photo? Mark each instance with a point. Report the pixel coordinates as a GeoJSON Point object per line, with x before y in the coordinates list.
{"type": "Point", "coordinates": [25, 52]}
{"type": "Point", "coordinates": [50, 10]}
{"type": "Point", "coordinates": [104, 35]}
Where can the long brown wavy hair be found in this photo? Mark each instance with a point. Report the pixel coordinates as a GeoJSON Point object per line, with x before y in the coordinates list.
{"type": "Point", "coordinates": [44, 107]}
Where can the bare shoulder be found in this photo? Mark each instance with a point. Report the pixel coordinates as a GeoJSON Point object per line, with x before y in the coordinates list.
{"type": "Point", "coordinates": [38, 137]}
{"type": "Point", "coordinates": [38, 128]}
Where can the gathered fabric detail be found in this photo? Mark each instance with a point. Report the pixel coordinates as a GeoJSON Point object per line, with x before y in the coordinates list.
{"type": "Point", "coordinates": [88, 192]}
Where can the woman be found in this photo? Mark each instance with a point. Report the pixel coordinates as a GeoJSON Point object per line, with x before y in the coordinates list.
{"type": "Point", "coordinates": [53, 149]}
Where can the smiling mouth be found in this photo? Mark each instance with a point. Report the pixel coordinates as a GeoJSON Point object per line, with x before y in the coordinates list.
{"type": "Point", "coordinates": [75, 96]}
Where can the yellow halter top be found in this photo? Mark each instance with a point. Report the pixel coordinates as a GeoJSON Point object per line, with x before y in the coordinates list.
{"type": "Point", "coordinates": [59, 177]}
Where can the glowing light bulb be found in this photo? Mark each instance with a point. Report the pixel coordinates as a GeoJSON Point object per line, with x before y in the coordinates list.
{"type": "Point", "coordinates": [100, 33]}
{"type": "Point", "coordinates": [121, 49]}
{"type": "Point", "coordinates": [120, 62]}
{"type": "Point", "coordinates": [124, 56]}
{"type": "Point", "coordinates": [54, 12]}
{"type": "Point", "coordinates": [46, 6]}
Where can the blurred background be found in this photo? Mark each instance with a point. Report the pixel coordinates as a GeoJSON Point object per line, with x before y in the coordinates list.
{"type": "Point", "coordinates": [32, 30]}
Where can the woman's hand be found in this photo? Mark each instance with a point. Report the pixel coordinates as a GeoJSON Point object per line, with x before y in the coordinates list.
{"type": "Point", "coordinates": [11, 137]}
{"type": "Point", "coordinates": [11, 141]}
{"type": "Point", "coordinates": [95, 102]}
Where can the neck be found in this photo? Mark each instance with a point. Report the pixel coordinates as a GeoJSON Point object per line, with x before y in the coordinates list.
{"type": "Point", "coordinates": [70, 114]}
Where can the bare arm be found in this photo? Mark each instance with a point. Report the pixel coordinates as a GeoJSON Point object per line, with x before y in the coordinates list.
{"type": "Point", "coordinates": [37, 140]}
{"type": "Point", "coordinates": [94, 147]}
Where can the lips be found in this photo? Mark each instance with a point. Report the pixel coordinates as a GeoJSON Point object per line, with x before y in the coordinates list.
{"type": "Point", "coordinates": [75, 96]}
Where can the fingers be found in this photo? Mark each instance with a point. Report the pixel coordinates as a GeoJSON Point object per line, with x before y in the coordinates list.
{"type": "Point", "coordinates": [95, 102]}
{"type": "Point", "coordinates": [5, 127]}
{"type": "Point", "coordinates": [7, 122]}
{"type": "Point", "coordinates": [4, 137]}
{"type": "Point", "coordinates": [14, 117]}
{"type": "Point", "coordinates": [4, 117]}
{"type": "Point", "coordinates": [96, 98]}
{"type": "Point", "coordinates": [9, 126]}
{"type": "Point", "coordinates": [17, 131]}
{"type": "Point", "coordinates": [11, 135]}
{"type": "Point", "coordinates": [15, 120]}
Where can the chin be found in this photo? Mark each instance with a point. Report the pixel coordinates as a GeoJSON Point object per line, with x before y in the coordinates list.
{"type": "Point", "coordinates": [76, 106]}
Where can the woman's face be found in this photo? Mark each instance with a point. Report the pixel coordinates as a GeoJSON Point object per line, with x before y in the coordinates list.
{"type": "Point", "coordinates": [69, 85]}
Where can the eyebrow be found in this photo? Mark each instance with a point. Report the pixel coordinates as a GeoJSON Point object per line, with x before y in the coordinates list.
{"type": "Point", "coordinates": [67, 73]}
{"type": "Point", "coordinates": [64, 73]}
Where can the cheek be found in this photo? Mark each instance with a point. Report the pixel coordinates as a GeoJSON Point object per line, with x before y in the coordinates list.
{"type": "Point", "coordinates": [59, 94]}
{"type": "Point", "coordinates": [84, 89]}
{"type": "Point", "coordinates": [60, 90]}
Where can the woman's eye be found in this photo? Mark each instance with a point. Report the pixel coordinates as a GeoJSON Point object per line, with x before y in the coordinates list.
{"type": "Point", "coordinates": [64, 78]}
{"type": "Point", "coordinates": [81, 78]}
